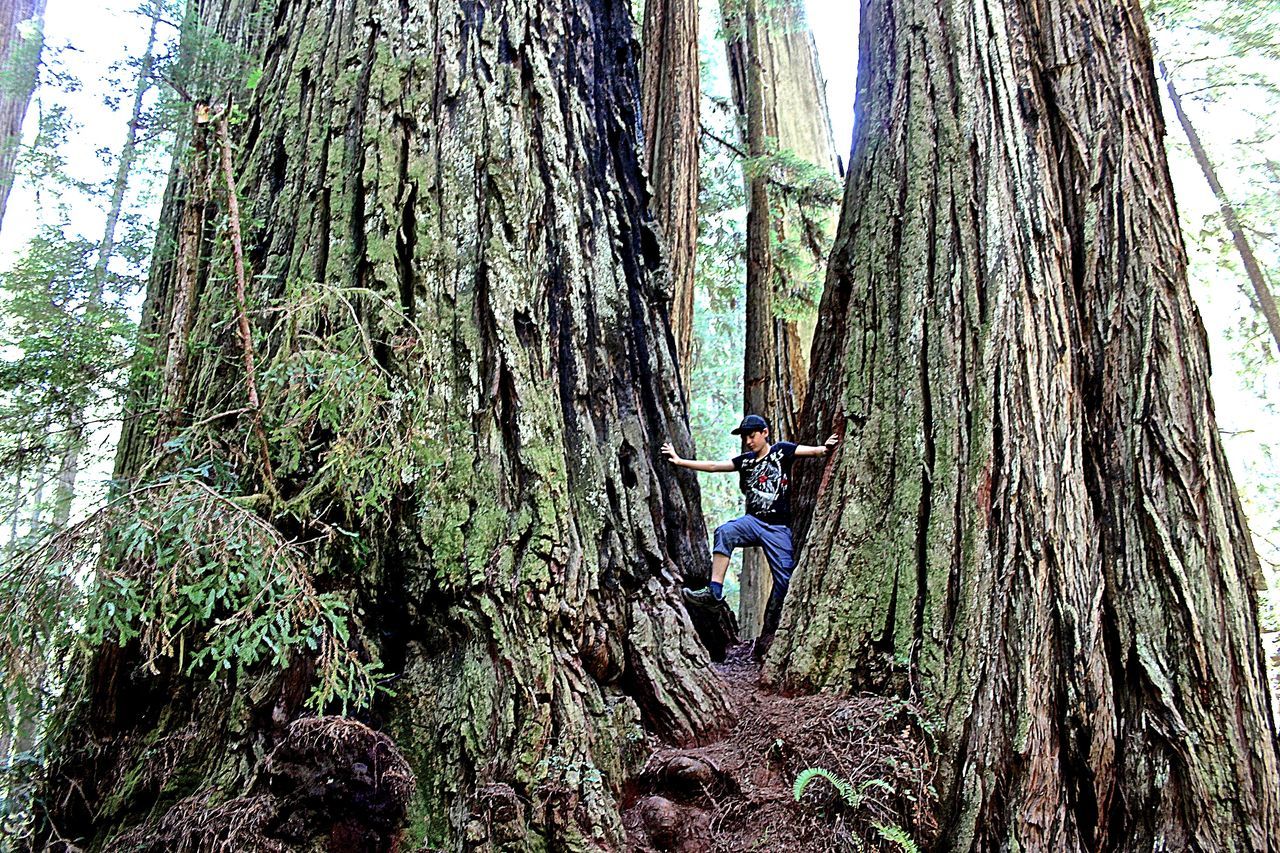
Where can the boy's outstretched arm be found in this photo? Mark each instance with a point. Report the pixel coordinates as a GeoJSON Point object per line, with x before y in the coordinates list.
{"type": "Point", "coordinates": [824, 449]}
{"type": "Point", "coordinates": [697, 465]}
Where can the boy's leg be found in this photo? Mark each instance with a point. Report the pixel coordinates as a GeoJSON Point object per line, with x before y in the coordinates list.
{"type": "Point", "coordinates": [779, 552]}
{"type": "Point", "coordinates": [732, 534]}
{"type": "Point", "coordinates": [776, 541]}
{"type": "Point", "coordinates": [719, 566]}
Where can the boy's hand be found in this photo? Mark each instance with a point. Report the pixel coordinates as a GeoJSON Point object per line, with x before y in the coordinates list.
{"type": "Point", "coordinates": [830, 443]}
{"type": "Point", "coordinates": [670, 452]}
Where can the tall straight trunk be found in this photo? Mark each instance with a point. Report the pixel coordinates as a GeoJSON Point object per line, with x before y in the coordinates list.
{"type": "Point", "coordinates": [1031, 522]}
{"type": "Point", "coordinates": [74, 438]}
{"type": "Point", "coordinates": [464, 182]}
{"type": "Point", "coordinates": [781, 105]}
{"type": "Point", "coordinates": [770, 340]}
{"type": "Point", "coordinates": [21, 41]}
{"type": "Point", "coordinates": [669, 102]}
{"type": "Point", "coordinates": [1261, 290]}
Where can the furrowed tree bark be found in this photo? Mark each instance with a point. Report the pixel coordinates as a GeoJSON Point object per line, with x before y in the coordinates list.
{"type": "Point", "coordinates": [21, 40]}
{"type": "Point", "coordinates": [1031, 521]}
{"type": "Point", "coordinates": [1261, 290]}
{"type": "Point", "coordinates": [782, 106]}
{"type": "Point", "coordinates": [478, 168]}
{"type": "Point", "coordinates": [669, 100]}
{"type": "Point", "coordinates": [192, 178]}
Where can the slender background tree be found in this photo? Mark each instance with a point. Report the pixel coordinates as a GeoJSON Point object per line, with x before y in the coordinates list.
{"type": "Point", "coordinates": [670, 103]}
{"type": "Point", "coordinates": [21, 41]}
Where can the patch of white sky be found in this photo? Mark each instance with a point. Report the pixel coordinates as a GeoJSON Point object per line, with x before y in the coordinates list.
{"type": "Point", "coordinates": [85, 46]}
{"type": "Point", "coordinates": [834, 24]}
{"type": "Point", "coordinates": [87, 41]}
{"type": "Point", "coordinates": [88, 38]}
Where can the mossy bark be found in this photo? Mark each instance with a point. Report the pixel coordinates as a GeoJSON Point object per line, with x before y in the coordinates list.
{"type": "Point", "coordinates": [477, 168]}
{"type": "Point", "coordinates": [1031, 520]}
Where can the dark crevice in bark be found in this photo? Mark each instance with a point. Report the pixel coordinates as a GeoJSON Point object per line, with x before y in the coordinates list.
{"type": "Point", "coordinates": [279, 165]}
{"type": "Point", "coordinates": [354, 159]}
{"type": "Point", "coordinates": [323, 227]}
{"type": "Point", "coordinates": [407, 233]}
{"type": "Point", "coordinates": [1076, 736]}
{"type": "Point", "coordinates": [884, 644]}
{"type": "Point", "coordinates": [925, 511]}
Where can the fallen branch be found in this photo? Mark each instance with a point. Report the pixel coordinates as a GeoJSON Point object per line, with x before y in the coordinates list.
{"type": "Point", "coordinates": [237, 254]}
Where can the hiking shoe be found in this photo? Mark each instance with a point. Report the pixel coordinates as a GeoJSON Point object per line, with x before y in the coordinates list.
{"type": "Point", "coordinates": [703, 598]}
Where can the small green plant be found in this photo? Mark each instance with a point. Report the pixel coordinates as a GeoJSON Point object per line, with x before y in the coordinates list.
{"type": "Point", "coordinates": [191, 575]}
{"type": "Point", "coordinates": [898, 835]}
{"type": "Point", "coordinates": [853, 797]}
{"type": "Point", "coordinates": [325, 387]}
{"type": "Point", "coordinates": [844, 788]}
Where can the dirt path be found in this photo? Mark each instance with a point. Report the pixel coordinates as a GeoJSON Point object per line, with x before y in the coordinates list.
{"type": "Point", "coordinates": [736, 793]}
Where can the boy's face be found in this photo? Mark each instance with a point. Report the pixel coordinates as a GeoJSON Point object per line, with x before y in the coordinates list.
{"type": "Point", "coordinates": [755, 439]}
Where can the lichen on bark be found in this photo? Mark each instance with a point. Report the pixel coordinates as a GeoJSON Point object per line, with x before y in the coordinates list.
{"type": "Point", "coordinates": [462, 183]}
{"type": "Point", "coordinates": [1031, 522]}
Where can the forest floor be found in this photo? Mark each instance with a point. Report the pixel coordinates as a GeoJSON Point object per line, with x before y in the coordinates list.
{"type": "Point", "coordinates": [737, 793]}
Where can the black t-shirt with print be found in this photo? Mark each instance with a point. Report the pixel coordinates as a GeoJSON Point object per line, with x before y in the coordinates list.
{"type": "Point", "coordinates": [767, 482]}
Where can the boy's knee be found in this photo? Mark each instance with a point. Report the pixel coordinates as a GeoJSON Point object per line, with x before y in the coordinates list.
{"type": "Point", "coordinates": [730, 535]}
{"type": "Point", "coordinates": [723, 541]}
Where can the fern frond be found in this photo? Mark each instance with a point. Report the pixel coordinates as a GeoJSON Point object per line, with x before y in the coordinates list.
{"type": "Point", "coordinates": [898, 835]}
{"type": "Point", "coordinates": [851, 797]}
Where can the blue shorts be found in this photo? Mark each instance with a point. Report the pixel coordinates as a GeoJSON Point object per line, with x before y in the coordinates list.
{"type": "Point", "coordinates": [748, 532]}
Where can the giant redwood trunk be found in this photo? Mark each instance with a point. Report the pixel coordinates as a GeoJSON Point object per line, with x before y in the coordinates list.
{"type": "Point", "coordinates": [21, 41]}
{"type": "Point", "coordinates": [669, 99]}
{"type": "Point", "coordinates": [1031, 521]}
{"type": "Point", "coordinates": [456, 188]}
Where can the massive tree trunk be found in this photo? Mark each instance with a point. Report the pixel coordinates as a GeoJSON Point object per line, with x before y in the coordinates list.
{"type": "Point", "coordinates": [454, 190]}
{"type": "Point", "coordinates": [21, 40]}
{"type": "Point", "coordinates": [1031, 521]}
{"type": "Point", "coordinates": [782, 106]}
{"type": "Point", "coordinates": [669, 98]}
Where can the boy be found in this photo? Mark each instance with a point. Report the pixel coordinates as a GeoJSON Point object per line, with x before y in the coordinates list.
{"type": "Point", "coordinates": [764, 475]}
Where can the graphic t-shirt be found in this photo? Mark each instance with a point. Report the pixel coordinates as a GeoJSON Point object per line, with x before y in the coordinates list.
{"type": "Point", "coordinates": [766, 482]}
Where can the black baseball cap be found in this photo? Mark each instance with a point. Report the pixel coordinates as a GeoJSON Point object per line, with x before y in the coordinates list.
{"type": "Point", "coordinates": [751, 423]}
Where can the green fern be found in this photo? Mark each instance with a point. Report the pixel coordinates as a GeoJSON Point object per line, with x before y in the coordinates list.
{"type": "Point", "coordinates": [846, 790]}
{"type": "Point", "coordinates": [853, 797]}
{"type": "Point", "coordinates": [898, 835]}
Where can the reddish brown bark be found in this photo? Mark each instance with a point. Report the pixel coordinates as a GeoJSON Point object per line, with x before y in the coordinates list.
{"type": "Point", "coordinates": [669, 103]}
{"type": "Point", "coordinates": [1031, 522]}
